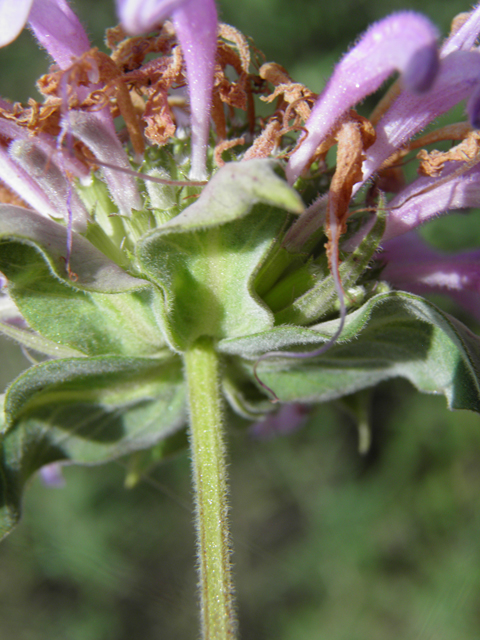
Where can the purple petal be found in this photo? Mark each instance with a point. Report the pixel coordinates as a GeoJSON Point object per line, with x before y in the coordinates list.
{"type": "Point", "coordinates": [289, 418]}
{"type": "Point", "coordinates": [52, 476]}
{"type": "Point", "coordinates": [465, 37]}
{"type": "Point", "coordinates": [19, 181]}
{"type": "Point", "coordinates": [13, 17]}
{"type": "Point", "coordinates": [58, 30]}
{"type": "Point", "coordinates": [457, 79]}
{"type": "Point", "coordinates": [473, 108]}
{"type": "Point", "coordinates": [404, 41]}
{"type": "Point", "coordinates": [12, 131]}
{"type": "Point", "coordinates": [107, 148]}
{"type": "Point", "coordinates": [195, 23]}
{"type": "Point", "coordinates": [196, 26]}
{"type": "Point", "coordinates": [52, 181]}
{"type": "Point", "coordinates": [413, 266]}
{"type": "Point", "coordinates": [142, 16]}
{"type": "Point", "coordinates": [417, 204]}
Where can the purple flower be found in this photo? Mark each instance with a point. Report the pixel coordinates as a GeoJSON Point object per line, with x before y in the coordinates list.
{"type": "Point", "coordinates": [458, 78]}
{"type": "Point", "coordinates": [288, 419]}
{"type": "Point", "coordinates": [426, 198]}
{"type": "Point", "coordinates": [52, 476]}
{"type": "Point", "coordinates": [411, 265]}
{"type": "Point", "coordinates": [54, 24]}
{"type": "Point", "coordinates": [195, 23]}
{"type": "Point", "coordinates": [405, 42]}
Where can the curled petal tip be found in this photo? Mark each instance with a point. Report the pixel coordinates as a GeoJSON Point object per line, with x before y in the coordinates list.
{"type": "Point", "coordinates": [473, 109]}
{"type": "Point", "coordinates": [141, 17]}
{"type": "Point", "coordinates": [404, 41]}
{"type": "Point", "coordinates": [13, 17]}
{"type": "Point", "coordinates": [422, 69]}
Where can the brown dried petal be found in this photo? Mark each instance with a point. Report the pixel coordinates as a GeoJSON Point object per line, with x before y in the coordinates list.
{"type": "Point", "coordinates": [160, 126]}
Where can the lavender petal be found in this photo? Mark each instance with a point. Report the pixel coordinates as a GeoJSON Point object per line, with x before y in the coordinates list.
{"type": "Point", "coordinates": [196, 26]}
{"type": "Point", "coordinates": [142, 16]}
{"type": "Point", "coordinates": [413, 266]}
{"type": "Point", "coordinates": [13, 17]}
{"type": "Point", "coordinates": [465, 37]}
{"type": "Point", "coordinates": [107, 148]}
{"type": "Point", "coordinates": [51, 181]}
{"type": "Point", "coordinates": [288, 419]}
{"type": "Point", "coordinates": [404, 41]}
{"type": "Point", "coordinates": [58, 30]}
{"type": "Point", "coordinates": [458, 77]}
{"type": "Point", "coordinates": [51, 475]}
{"type": "Point", "coordinates": [195, 23]}
{"type": "Point", "coordinates": [417, 204]}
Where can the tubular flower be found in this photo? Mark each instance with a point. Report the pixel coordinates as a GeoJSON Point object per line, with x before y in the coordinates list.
{"type": "Point", "coordinates": [53, 22]}
{"type": "Point", "coordinates": [411, 265]}
{"type": "Point", "coordinates": [405, 42]}
{"type": "Point", "coordinates": [196, 26]}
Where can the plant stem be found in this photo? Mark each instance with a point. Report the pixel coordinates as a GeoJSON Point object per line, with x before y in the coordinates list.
{"type": "Point", "coordinates": [210, 483]}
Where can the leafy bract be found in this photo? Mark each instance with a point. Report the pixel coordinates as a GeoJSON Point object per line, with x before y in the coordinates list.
{"type": "Point", "coordinates": [205, 259]}
{"type": "Point", "coordinates": [93, 270]}
{"type": "Point", "coordinates": [233, 191]}
{"type": "Point", "coordinates": [393, 335]}
{"type": "Point", "coordinates": [91, 322]}
{"type": "Point", "coordinates": [87, 411]}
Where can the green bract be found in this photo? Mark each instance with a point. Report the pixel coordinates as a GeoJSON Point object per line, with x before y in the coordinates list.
{"type": "Point", "coordinates": [117, 327]}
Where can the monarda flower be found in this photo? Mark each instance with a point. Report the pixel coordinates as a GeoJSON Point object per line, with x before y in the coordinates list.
{"type": "Point", "coordinates": [169, 275]}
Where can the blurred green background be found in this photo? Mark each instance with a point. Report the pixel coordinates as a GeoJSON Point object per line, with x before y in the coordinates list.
{"type": "Point", "coordinates": [328, 544]}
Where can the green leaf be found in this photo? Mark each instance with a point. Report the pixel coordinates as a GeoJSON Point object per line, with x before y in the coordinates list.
{"type": "Point", "coordinates": [141, 463]}
{"type": "Point", "coordinates": [206, 258]}
{"type": "Point", "coordinates": [87, 411]}
{"type": "Point", "coordinates": [393, 335]}
{"type": "Point", "coordinates": [90, 322]}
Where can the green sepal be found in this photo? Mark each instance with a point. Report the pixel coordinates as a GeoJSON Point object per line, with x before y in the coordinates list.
{"type": "Point", "coordinates": [231, 194]}
{"type": "Point", "coordinates": [396, 334]}
{"type": "Point", "coordinates": [86, 411]}
{"type": "Point", "coordinates": [206, 258]}
{"type": "Point", "coordinates": [320, 300]}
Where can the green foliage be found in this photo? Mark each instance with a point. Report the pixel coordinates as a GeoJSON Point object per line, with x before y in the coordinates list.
{"type": "Point", "coordinates": [119, 388]}
{"type": "Point", "coordinates": [206, 258]}
{"type": "Point", "coordinates": [85, 410]}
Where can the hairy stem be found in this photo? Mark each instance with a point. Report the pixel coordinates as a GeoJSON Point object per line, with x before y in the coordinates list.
{"type": "Point", "coordinates": [210, 483]}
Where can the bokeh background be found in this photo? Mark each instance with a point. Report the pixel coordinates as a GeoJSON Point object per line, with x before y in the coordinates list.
{"type": "Point", "coordinates": [329, 544]}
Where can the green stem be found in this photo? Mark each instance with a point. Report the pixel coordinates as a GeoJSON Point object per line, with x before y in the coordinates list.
{"type": "Point", "coordinates": [210, 482]}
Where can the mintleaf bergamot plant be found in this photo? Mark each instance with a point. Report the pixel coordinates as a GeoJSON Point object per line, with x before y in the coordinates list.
{"type": "Point", "coordinates": [171, 274]}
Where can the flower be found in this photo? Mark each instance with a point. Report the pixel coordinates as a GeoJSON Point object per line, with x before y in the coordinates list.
{"type": "Point", "coordinates": [156, 300]}
{"type": "Point", "coordinates": [430, 85]}
{"type": "Point", "coordinates": [53, 22]}
{"type": "Point", "coordinates": [196, 26]}
{"type": "Point", "coordinates": [411, 265]}
{"type": "Point", "coordinates": [58, 30]}
{"type": "Point", "coordinates": [404, 41]}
